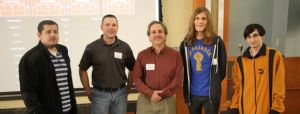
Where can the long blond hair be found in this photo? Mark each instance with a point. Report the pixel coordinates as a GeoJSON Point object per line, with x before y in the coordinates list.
{"type": "Point", "coordinates": [208, 33]}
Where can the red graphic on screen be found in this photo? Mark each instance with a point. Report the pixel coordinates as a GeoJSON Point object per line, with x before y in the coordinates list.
{"type": "Point", "coordinates": [65, 7]}
{"type": "Point", "coordinates": [118, 6]}
{"type": "Point", "coordinates": [82, 7]}
{"type": "Point", "coordinates": [14, 8]}
{"type": "Point", "coordinates": [47, 7]}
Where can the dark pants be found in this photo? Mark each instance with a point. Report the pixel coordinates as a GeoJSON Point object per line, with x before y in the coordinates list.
{"type": "Point", "coordinates": [197, 102]}
{"type": "Point", "coordinates": [67, 112]}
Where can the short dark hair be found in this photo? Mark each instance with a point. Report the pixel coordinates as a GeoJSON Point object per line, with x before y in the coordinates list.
{"type": "Point", "coordinates": [109, 16]}
{"type": "Point", "coordinates": [252, 27]}
{"type": "Point", "coordinates": [157, 22]}
{"type": "Point", "coordinates": [45, 22]}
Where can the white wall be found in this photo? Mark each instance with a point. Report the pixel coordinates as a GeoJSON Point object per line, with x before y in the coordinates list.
{"type": "Point", "coordinates": [176, 14]}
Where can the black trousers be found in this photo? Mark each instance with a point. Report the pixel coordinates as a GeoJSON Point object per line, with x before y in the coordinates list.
{"type": "Point", "coordinates": [197, 102]}
{"type": "Point", "coordinates": [67, 112]}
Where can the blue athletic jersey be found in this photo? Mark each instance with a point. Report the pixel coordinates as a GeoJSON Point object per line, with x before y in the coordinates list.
{"type": "Point", "coordinates": [200, 59]}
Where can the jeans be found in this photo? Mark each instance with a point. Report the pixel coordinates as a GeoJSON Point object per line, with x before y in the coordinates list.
{"type": "Point", "coordinates": [109, 102]}
{"type": "Point", "coordinates": [197, 102]}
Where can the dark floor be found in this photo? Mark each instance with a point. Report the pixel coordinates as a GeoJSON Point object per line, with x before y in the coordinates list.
{"type": "Point", "coordinates": [82, 109]}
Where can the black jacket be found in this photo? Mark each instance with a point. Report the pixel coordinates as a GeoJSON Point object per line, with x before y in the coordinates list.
{"type": "Point", "coordinates": [217, 72]}
{"type": "Point", "coordinates": [38, 81]}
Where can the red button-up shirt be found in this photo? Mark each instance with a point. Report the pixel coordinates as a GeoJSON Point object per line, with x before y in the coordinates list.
{"type": "Point", "coordinates": [163, 71]}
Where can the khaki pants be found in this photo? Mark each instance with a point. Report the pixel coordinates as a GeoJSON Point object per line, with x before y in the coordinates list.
{"type": "Point", "coordinates": [165, 106]}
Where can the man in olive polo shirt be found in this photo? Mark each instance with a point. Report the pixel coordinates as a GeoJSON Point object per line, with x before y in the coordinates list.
{"type": "Point", "coordinates": [108, 56]}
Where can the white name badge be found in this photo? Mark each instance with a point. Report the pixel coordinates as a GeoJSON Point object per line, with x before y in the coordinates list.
{"type": "Point", "coordinates": [215, 61]}
{"type": "Point", "coordinates": [150, 66]}
{"type": "Point", "coordinates": [118, 55]}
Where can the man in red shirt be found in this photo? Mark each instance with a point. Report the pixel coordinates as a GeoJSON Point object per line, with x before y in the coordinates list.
{"type": "Point", "coordinates": [157, 73]}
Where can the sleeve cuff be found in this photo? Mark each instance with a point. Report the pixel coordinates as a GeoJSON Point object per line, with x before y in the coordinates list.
{"type": "Point", "coordinates": [165, 93]}
{"type": "Point", "coordinates": [149, 93]}
{"type": "Point", "coordinates": [234, 111]}
{"type": "Point", "coordinates": [273, 112]}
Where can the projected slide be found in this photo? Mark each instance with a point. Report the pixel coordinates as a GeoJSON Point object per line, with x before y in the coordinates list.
{"type": "Point", "coordinates": [46, 7]}
{"type": "Point", "coordinates": [118, 6]}
{"type": "Point", "coordinates": [65, 7]}
{"type": "Point", "coordinates": [14, 7]}
{"type": "Point", "coordinates": [82, 7]}
{"type": "Point", "coordinates": [79, 24]}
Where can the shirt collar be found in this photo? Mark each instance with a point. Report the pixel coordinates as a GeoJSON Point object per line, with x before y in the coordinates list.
{"type": "Point", "coordinates": [45, 49]}
{"type": "Point", "coordinates": [164, 49]}
{"type": "Point", "coordinates": [102, 42]}
{"type": "Point", "coordinates": [262, 52]}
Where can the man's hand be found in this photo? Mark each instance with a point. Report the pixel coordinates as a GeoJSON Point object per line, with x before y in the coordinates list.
{"type": "Point", "coordinates": [129, 88]}
{"type": "Point", "coordinates": [155, 97]}
{"type": "Point", "coordinates": [85, 83]}
{"type": "Point", "coordinates": [129, 81]}
{"type": "Point", "coordinates": [89, 95]}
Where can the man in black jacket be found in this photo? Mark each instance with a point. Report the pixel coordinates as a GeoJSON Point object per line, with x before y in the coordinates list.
{"type": "Point", "coordinates": [45, 75]}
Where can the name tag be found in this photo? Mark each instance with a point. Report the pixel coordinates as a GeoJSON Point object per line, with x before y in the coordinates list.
{"type": "Point", "coordinates": [118, 55]}
{"type": "Point", "coordinates": [215, 62]}
{"type": "Point", "coordinates": [150, 66]}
